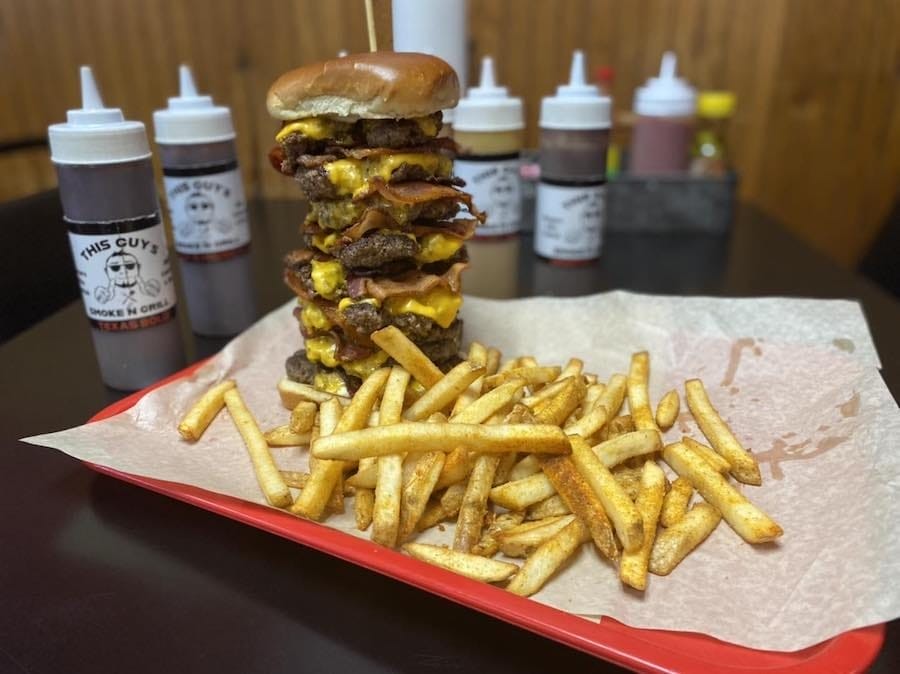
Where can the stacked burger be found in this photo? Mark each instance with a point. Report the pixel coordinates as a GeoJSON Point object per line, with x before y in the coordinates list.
{"type": "Point", "coordinates": [383, 242]}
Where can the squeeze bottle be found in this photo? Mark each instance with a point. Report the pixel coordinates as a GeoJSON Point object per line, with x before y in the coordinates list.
{"type": "Point", "coordinates": [488, 129]}
{"type": "Point", "coordinates": [208, 210]}
{"type": "Point", "coordinates": [118, 242]}
{"type": "Point", "coordinates": [571, 198]}
{"type": "Point", "coordinates": [663, 128]}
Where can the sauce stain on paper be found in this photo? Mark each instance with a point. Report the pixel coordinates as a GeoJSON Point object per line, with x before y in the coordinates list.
{"type": "Point", "coordinates": [781, 452]}
{"type": "Point", "coordinates": [734, 358]}
{"type": "Point", "coordinates": [844, 344]}
{"type": "Point", "coordinates": [851, 407]}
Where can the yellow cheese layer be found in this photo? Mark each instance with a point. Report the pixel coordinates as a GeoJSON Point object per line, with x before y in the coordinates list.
{"type": "Point", "coordinates": [434, 247]}
{"type": "Point", "coordinates": [351, 175]}
{"type": "Point", "coordinates": [363, 367]}
{"type": "Point", "coordinates": [347, 302]}
{"type": "Point", "coordinates": [313, 318]}
{"type": "Point", "coordinates": [316, 128]}
{"type": "Point", "coordinates": [440, 305]}
{"type": "Point", "coordinates": [322, 350]}
{"type": "Point", "coordinates": [327, 278]}
{"type": "Point", "coordinates": [428, 125]}
{"type": "Point", "coordinates": [330, 382]}
{"type": "Point", "coordinates": [325, 242]}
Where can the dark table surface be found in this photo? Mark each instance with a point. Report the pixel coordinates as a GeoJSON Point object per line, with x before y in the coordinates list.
{"type": "Point", "coordinates": [97, 575]}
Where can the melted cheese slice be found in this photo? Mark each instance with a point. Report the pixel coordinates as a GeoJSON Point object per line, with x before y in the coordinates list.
{"type": "Point", "coordinates": [315, 128]}
{"type": "Point", "coordinates": [363, 367]}
{"type": "Point", "coordinates": [325, 242]}
{"type": "Point", "coordinates": [313, 318]}
{"type": "Point", "coordinates": [330, 382]}
{"type": "Point", "coordinates": [322, 350]}
{"type": "Point", "coordinates": [349, 302]}
{"type": "Point", "coordinates": [434, 247]}
{"type": "Point", "coordinates": [350, 176]}
{"type": "Point", "coordinates": [440, 305]}
{"type": "Point", "coordinates": [328, 278]}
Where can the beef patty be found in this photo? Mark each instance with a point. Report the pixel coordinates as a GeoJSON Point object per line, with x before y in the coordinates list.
{"type": "Point", "coordinates": [316, 186]}
{"type": "Point", "coordinates": [342, 213]}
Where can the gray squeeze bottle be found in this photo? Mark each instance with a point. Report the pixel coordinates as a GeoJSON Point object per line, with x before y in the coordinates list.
{"type": "Point", "coordinates": [207, 209]}
{"type": "Point", "coordinates": [118, 242]}
{"type": "Point", "coordinates": [571, 200]}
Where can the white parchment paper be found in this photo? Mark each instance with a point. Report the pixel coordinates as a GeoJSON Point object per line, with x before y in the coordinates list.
{"type": "Point", "coordinates": [796, 379]}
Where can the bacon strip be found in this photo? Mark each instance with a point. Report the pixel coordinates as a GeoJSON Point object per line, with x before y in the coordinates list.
{"type": "Point", "coordinates": [416, 192]}
{"type": "Point", "coordinates": [411, 283]}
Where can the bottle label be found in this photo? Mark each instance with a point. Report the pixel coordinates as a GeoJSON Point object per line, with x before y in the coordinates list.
{"type": "Point", "coordinates": [124, 272]}
{"type": "Point", "coordinates": [496, 189]}
{"type": "Point", "coordinates": [208, 212]}
{"type": "Point", "coordinates": [569, 221]}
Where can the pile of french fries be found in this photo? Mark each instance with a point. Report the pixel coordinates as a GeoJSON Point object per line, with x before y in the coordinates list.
{"type": "Point", "coordinates": [531, 461]}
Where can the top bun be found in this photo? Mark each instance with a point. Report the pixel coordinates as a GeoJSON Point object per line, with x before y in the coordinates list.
{"type": "Point", "coordinates": [375, 85]}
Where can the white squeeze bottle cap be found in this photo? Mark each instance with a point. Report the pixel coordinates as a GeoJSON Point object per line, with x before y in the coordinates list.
{"type": "Point", "coordinates": [666, 95]}
{"type": "Point", "coordinates": [576, 105]}
{"type": "Point", "coordinates": [192, 119]}
{"type": "Point", "coordinates": [489, 107]}
{"type": "Point", "coordinates": [94, 134]}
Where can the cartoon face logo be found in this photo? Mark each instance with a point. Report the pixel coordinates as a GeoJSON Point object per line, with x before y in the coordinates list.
{"type": "Point", "coordinates": [592, 215]}
{"type": "Point", "coordinates": [122, 269]}
{"type": "Point", "coordinates": [199, 209]}
{"type": "Point", "coordinates": [502, 197]}
{"type": "Point", "coordinates": [124, 280]}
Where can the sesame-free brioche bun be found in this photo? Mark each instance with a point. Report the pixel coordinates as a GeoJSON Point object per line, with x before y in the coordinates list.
{"type": "Point", "coordinates": [376, 85]}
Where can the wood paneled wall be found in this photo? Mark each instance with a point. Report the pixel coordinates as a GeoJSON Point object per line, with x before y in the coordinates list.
{"type": "Point", "coordinates": [816, 138]}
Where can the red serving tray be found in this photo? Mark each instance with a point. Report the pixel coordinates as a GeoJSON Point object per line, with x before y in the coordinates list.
{"type": "Point", "coordinates": [642, 650]}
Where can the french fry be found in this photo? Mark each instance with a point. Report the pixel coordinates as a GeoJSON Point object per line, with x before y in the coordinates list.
{"type": "Point", "coordinates": [488, 545]}
{"type": "Point", "coordinates": [292, 392]}
{"type": "Point", "coordinates": [399, 347]}
{"type": "Point", "coordinates": [527, 361]}
{"type": "Point", "coordinates": [389, 468]}
{"type": "Point", "coordinates": [582, 500]}
{"type": "Point", "coordinates": [548, 558]}
{"type": "Point", "coordinates": [614, 394]}
{"type": "Point", "coordinates": [324, 475]}
{"type": "Point", "coordinates": [638, 398]}
{"type": "Point", "coordinates": [202, 412]}
{"type": "Point", "coordinates": [283, 436]}
{"type": "Point", "coordinates": [558, 408]}
{"type": "Point", "coordinates": [590, 378]}
{"type": "Point", "coordinates": [522, 493]}
{"type": "Point", "coordinates": [633, 565]}
{"type": "Point", "coordinates": [667, 410]}
{"type": "Point", "coordinates": [744, 467]}
{"type": "Point", "coordinates": [444, 392]}
{"type": "Point", "coordinates": [620, 426]}
{"type": "Point", "coordinates": [471, 566]}
{"type": "Point", "coordinates": [507, 461]}
{"type": "Point", "coordinates": [303, 416]}
{"type": "Point", "coordinates": [548, 391]}
{"type": "Point", "coordinates": [366, 477]}
{"type": "Point", "coordinates": [572, 369]}
{"type": "Point", "coordinates": [591, 422]}
{"type": "Point", "coordinates": [675, 503]}
{"type": "Point", "coordinates": [525, 467]}
{"type": "Point", "coordinates": [492, 362]}
{"type": "Point", "coordinates": [521, 541]}
{"type": "Point", "coordinates": [629, 479]}
{"type": "Point", "coordinates": [425, 437]}
{"type": "Point", "coordinates": [482, 408]}
{"type": "Point", "coordinates": [620, 509]}
{"type": "Point", "coordinates": [549, 507]}
{"type": "Point", "coordinates": [508, 365]}
{"type": "Point", "coordinates": [444, 508]}
{"type": "Point", "coordinates": [457, 466]}
{"type": "Point", "coordinates": [417, 490]}
{"type": "Point", "coordinates": [294, 478]}
{"type": "Point", "coordinates": [674, 543]}
{"type": "Point", "coordinates": [477, 356]}
{"type": "Point", "coordinates": [474, 504]}
{"type": "Point", "coordinates": [335, 503]}
{"type": "Point", "coordinates": [364, 508]}
{"type": "Point", "coordinates": [591, 396]}
{"type": "Point", "coordinates": [750, 523]}
{"type": "Point", "coordinates": [622, 447]}
{"type": "Point", "coordinates": [712, 457]}
{"type": "Point", "coordinates": [270, 481]}
{"type": "Point", "coordinates": [533, 375]}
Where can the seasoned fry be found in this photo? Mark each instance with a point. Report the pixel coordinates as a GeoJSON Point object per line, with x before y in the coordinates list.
{"type": "Point", "coordinates": [572, 369]}
{"type": "Point", "coordinates": [549, 507]}
{"type": "Point", "coordinates": [474, 504]}
{"type": "Point", "coordinates": [509, 365]}
{"type": "Point", "coordinates": [522, 493]}
{"type": "Point", "coordinates": [202, 412]}
{"type": "Point", "coordinates": [622, 447]}
{"type": "Point", "coordinates": [591, 422]}
{"type": "Point", "coordinates": [324, 475]}
{"type": "Point", "coordinates": [525, 467]}
{"type": "Point", "coordinates": [425, 437]}
{"type": "Point", "coordinates": [492, 362]}
{"type": "Point", "coordinates": [490, 403]}
{"type": "Point", "coordinates": [444, 508]}
{"type": "Point", "coordinates": [619, 508]}
{"type": "Point", "coordinates": [591, 396]}
{"type": "Point", "coordinates": [507, 461]}
{"type": "Point", "coordinates": [477, 356]}
{"type": "Point", "coordinates": [445, 391]}
{"type": "Point", "coordinates": [750, 523]}
{"type": "Point", "coordinates": [488, 545]}
{"type": "Point", "coordinates": [548, 558]}
{"type": "Point", "coordinates": [667, 410]}
{"type": "Point", "coordinates": [389, 468]}
{"type": "Point", "coordinates": [674, 543]}
{"type": "Point", "coordinates": [335, 504]}
{"type": "Point", "coordinates": [303, 416]}
{"type": "Point", "coordinates": [744, 467]}
{"type": "Point", "coordinates": [533, 375]}
{"type": "Point", "coordinates": [633, 565]}
{"type": "Point", "coordinates": [293, 392]}
{"type": "Point", "coordinates": [582, 500]}
{"type": "Point", "coordinates": [294, 478]}
{"type": "Point", "coordinates": [522, 540]}
{"type": "Point", "coordinates": [614, 394]}
{"type": "Point", "coordinates": [527, 361]}
{"type": "Point", "coordinates": [417, 490]}
{"type": "Point", "coordinates": [457, 466]}
{"type": "Point", "coordinates": [471, 566]}
{"type": "Point", "coordinates": [548, 391]}
{"type": "Point", "coordinates": [638, 398]}
{"type": "Point", "coordinates": [713, 458]}
{"type": "Point", "coordinates": [675, 504]}
{"type": "Point", "coordinates": [590, 378]}
{"type": "Point", "coordinates": [283, 436]}
{"type": "Point", "coordinates": [363, 508]}
{"type": "Point", "coordinates": [558, 408]}
{"type": "Point", "coordinates": [270, 481]}
{"type": "Point", "coordinates": [620, 426]}
{"type": "Point", "coordinates": [629, 479]}
{"type": "Point", "coordinates": [399, 347]}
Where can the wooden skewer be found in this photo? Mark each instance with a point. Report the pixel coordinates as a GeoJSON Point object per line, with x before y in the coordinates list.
{"type": "Point", "coordinates": [370, 25]}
